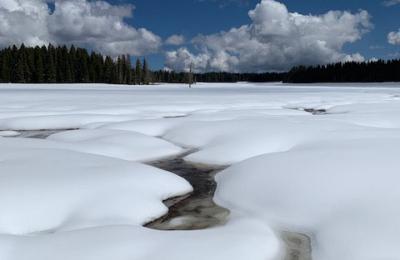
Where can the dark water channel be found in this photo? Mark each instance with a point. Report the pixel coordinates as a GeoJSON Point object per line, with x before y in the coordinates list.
{"type": "Point", "coordinates": [197, 210]}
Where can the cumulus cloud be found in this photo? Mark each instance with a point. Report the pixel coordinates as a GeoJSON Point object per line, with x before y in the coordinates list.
{"type": "Point", "coordinates": [275, 40]}
{"type": "Point", "coordinates": [175, 40]}
{"type": "Point", "coordinates": [394, 38]}
{"type": "Point", "coordinates": [23, 21]}
{"type": "Point", "coordinates": [93, 24]}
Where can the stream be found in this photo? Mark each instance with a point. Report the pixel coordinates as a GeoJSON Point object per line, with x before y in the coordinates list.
{"type": "Point", "coordinates": [198, 210]}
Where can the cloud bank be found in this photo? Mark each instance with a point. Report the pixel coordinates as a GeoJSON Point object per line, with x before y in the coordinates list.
{"type": "Point", "coordinates": [275, 40]}
{"type": "Point", "coordinates": [94, 24]}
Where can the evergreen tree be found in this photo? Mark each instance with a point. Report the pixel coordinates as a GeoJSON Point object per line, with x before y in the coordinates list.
{"type": "Point", "coordinates": [128, 70]}
{"type": "Point", "coordinates": [145, 73]}
{"type": "Point", "coordinates": [73, 63]}
{"type": "Point", "coordinates": [6, 66]}
{"type": "Point", "coordinates": [38, 75]}
{"type": "Point", "coordinates": [21, 67]}
{"type": "Point", "coordinates": [50, 69]}
{"type": "Point", "coordinates": [138, 72]}
{"type": "Point", "coordinates": [108, 70]}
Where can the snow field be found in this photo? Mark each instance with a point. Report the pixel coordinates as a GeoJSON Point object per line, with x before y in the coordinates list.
{"type": "Point", "coordinates": [84, 194]}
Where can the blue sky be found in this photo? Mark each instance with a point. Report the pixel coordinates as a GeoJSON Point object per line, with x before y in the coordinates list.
{"type": "Point", "coordinates": [212, 35]}
{"type": "Point", "coordinates": [192, 17]}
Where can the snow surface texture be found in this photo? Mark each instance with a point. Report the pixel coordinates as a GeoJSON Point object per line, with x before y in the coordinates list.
{"type": "Point", "coordinates": [62, 190]}
{"type": "Point", "coordinates": [80, 194]}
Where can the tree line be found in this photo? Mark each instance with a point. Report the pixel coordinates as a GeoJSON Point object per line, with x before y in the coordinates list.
{"type": "Point", "coordinates": [62, 64]}
{"type": "Point", "coordinates": [372, 71]}
{"type": "Point", "coordinates": [50, 64]}
{"type": "Point", "coordinates": [215, 77]}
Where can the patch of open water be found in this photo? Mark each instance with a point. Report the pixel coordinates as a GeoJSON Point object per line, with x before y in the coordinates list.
{"type": "Point", "coordinates": [196, 210]}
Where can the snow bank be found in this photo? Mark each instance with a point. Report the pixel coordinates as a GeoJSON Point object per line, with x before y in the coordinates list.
{"type": "Point", "coordinates": [230, 141]}
{"type": "Point", "coordinates": [344, 194]}
{"type": "Point", "coordinates": [379, 115]}
{"type": "Point", "coordinates": [57, 121]}
{"type": "Point", "coordinates": [241, 240]}
{"type": "Point", "coordinates": [61, 190]}
{"type": "Point", "coordinates": [9, 133]}
{"type": "Point", "coordinates": [151, 127]}
{"type": "Point", "coordinates": [116, 143]}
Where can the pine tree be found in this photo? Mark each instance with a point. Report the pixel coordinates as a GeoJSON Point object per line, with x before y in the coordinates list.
{"type": "Point", "coordinates": [38, 76]}
{"type": "Point", "coordinates": [120, 70]}
{"type": "Point", "coordinates": [5, 67]}
{"type": "Point", "coordinates": [108, 70]}
{"type": "Point", "coordinates": [21, 67]}
{"type": "Point", "coordinates": [73, 63]}
{"type": "Point", "coordinates": [128, 70]}
{"type": "Point", "coordinates": [50, 69]}
{"type": "Point", "coordinates": [145, 73]}
{"type": "Point", "coordinates": [138, 72]}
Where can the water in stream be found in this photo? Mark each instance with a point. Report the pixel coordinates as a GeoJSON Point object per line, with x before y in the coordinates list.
{"type": "Point", "coordinates": [197, 210]}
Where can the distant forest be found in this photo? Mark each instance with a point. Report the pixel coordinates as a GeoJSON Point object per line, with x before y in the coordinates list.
{"type": "Point", "coordinates": [49, 64]}
{"type": "Point", "coordinates": [375, 71]}
{"type": "Point", "coordinates": [182, 77]}
{"type": "Point", "coordinates": [62, 64]}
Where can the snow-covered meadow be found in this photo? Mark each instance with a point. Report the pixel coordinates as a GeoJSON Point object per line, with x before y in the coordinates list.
{"type": "Point", "coordinates": [320, 160]}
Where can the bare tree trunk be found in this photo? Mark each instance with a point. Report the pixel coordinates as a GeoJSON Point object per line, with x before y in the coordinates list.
{"type": "Point", "coordinates": [190, 76]}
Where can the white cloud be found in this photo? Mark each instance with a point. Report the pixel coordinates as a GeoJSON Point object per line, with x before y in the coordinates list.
{"type": "Point", "coordinates": [23, 21]}
{"type": "Point", "coordinates": [394, 38]}
{"type": "Point", "coordinates": [391, 2]}
{"type": "Point", "coordinates": [276, 40]}
{"type": "Point", "coordinates": [94, 24]}
{"type": "Point", "coordinates": [175, 40]}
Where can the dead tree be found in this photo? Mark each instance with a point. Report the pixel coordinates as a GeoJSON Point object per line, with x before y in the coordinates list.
{"type": "Point", "coordinates": [190, 75]}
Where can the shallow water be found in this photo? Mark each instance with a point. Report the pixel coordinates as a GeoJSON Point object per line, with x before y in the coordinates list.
{"type": "Point", "coordinates": [298, 246]}
{"type": "Point", "coordinates": [197, 210]}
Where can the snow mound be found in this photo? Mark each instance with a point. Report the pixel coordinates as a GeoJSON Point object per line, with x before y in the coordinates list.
{"type": "Point", "coordinates": [63, 121]}
{"type": "Point", "coordinates": [231, 141]}
{"type": "Point", "coordinates": [378, 115]}
{"type": "Point", "coordinates": [241, 240]}
{"type": "Point", "coordinates": [116, 143]}
{"type": "Point", "coordinates": [9, 133]}
{"type": "Point", "coordinates": [344, 194]}
{"type": "Point", "coordinates": [43, 190]}
{"type": "Point", "coordinates": [152, 127]}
